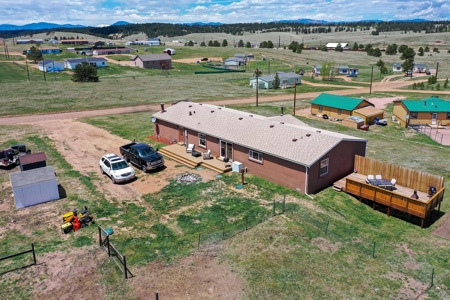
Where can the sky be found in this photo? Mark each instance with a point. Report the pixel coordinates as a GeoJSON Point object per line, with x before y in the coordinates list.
{"type": "Point", "coordinates": [106, 12]}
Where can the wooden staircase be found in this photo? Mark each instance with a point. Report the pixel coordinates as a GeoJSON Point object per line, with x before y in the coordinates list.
{"type": "Point", "coordinates": [179, 158]}
{"type": "Point", "coordinates": [215, 168]}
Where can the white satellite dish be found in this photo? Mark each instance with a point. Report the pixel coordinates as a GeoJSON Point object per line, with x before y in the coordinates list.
{"type": "Point", "coordinates": [153, 120]}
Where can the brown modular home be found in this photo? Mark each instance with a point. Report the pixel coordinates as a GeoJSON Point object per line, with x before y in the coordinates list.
{"type": "Point", "coordinates": [341, 107]}
{"type": "Point", "coordinates": [153, 61]}
{"type": "Point", "coordinates": [281, 149]}
{"type": "Point", "coordinates": [431, 111]}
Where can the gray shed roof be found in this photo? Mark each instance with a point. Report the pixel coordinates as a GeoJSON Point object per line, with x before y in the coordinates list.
{"type": "Point", "coordinates": [152, 57]}
{"type": "Point", "coordinates": [32, 176]}
{"type": "Point", "coordinates": [297, 143]}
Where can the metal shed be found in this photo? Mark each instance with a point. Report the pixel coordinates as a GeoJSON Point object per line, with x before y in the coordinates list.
{"type": "Point", "coordinates": [34, 186]}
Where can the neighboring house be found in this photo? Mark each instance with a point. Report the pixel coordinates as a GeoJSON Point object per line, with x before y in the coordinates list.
{"type": "Point", "coordinates": [50, 66]}
{"type": "Point", "coordinates": [98, 44]}
{"type": "Point", "coordinates": [332, 46]}
{"type": "Point", "coordinates": [30, 41]}
{"type": "Point", "coordinates": [343, 70]}
{"type": "Point", "coordinates": [338, 107]}
{"type": "Point", "coordinates": [255, 45]}
{"type": "Point", "coordinates": [153, 61]}
{"type": "Point", "coordinates": [51, 50]}
{"type": "Point", "coordinates": [74, 42]}
{"type": "Point", "coordinates": [286, 80]}
{"type": "Point", "coordinates": [420, 68]}
{"type": "Point", "coordinates": [232, 62]}
{"type": "Point", "coordinates": [294, 155]}
{"type": "Point", "coordinates": [432, 111]}
{"type": "Point", "coordinates": [97, 62]}
{"type": "Point", "coordinates": [397, 67]}
{"type": "Point", "coordinates": [154, 41]}
{"type": "Point", "coordinates": [53, 41]}
{"type": "Point", "coordinates": [115, 50]}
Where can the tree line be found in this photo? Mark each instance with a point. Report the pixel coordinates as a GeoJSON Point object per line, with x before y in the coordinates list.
{"type": "Point", "coordinates": [171, 30]}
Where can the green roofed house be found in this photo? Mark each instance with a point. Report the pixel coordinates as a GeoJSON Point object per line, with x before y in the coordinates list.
{"type": "Point", "coordinates": [341, 107]}
{"type": "Point", "coordinates": [432, 111]}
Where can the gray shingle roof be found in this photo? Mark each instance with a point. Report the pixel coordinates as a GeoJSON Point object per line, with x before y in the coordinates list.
{"type": "Point", "coordinates": [152, 57]}
{"type": "Point", "coordinates": [281, 75]}
{"type": "Point", "coordinates": [32, 176]}
{"type": "Point", "coordinates": [87, 59]}
{"type": "Point", "coordinates": [256, 132]}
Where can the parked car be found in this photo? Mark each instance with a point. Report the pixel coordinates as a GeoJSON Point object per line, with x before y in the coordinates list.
{"type": "Point", "coordinates": [142, 156]}
{"type": "Point", "coordinates": [204, 59]}
{"type": "Point", "coordinates": [116, 168]}
{"type": "Point", "coordinates": [24, 52]}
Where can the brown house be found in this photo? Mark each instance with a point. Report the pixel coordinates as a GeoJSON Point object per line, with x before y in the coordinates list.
{"type": "Point", "coordinates": [431, 111]}
{"type": "Point", "coordinates": [152, 61]}
{"type": "Point", "coordinates": [337, 107]}
{"type": "Point", "coordinates": [280, 149]}
{"type": "Point", "coordinates": [74, 42]}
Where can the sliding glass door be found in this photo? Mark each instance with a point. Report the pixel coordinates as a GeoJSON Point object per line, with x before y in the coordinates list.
{"type": "Point", "coordinates": [226, 149]}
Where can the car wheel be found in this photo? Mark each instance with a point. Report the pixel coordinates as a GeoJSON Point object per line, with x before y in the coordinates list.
{"type": "Point", "coordinates": [113, 180]}
{"type": "Point", "coordinates": [144, 168]}
{"type": "Point", "coordinates": [101, 170]}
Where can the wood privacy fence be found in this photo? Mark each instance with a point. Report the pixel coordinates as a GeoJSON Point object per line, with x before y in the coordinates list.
{"type": "Point", "coordinates": [414, 179]}
{"type": "Point", "coordinates": [121, 261]}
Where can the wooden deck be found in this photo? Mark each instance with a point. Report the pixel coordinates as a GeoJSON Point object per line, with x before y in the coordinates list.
{"type": "Point", "coordinates": [179, 154]}
{"type": "Point", "coordinates": [399, 198]}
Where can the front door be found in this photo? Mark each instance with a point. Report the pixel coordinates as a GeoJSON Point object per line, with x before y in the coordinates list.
{"type": "Point", "coordinates": [226, 149]}
{"type": "Point", "coordinates": [433, 118]}
{"type": "Point", "coordinates": [181, 134]}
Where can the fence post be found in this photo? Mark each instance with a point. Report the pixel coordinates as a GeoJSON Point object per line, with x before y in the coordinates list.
{"type": "Point", "coordinates": [373, 252]}
{"type": "Point", "coordinates": [198, 243]}
{"type": "Point", "coordinates": [273, 207]}
{"type": "Point", "coordinates": [246, 222]}
{"type": "Point", "coordinates": [99, 235]}
{"type": "Point", "coordinates": [284, 203]}
{"type": "Point", "coordinates": [107, 242]}
{"type": "Point", "coordinates": [432, 277]}
{"type": "Point", "coordinates": [34, 253]}
{"type": "Point", "coordinates": [326, 229]}
{"type": "Point", "coordinates": [157, 296]}
{"type": "Point", "coordinates": [125, 266]}
{"type": "Point", "coordinates": [223, 231]}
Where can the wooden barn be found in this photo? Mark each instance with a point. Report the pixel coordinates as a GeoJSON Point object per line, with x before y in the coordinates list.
{"type": "Point", "coordinates": [281, 149]}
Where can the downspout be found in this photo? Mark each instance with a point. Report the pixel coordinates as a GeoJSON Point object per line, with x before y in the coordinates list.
{"type": "Point", "coordinates": [306, 184]}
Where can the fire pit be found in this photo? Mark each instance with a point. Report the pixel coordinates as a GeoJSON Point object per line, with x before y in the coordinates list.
{"type": "Point", "coordinates": [187, 178]}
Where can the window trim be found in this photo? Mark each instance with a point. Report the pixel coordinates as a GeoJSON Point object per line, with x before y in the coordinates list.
{"type": "Point", "coordinates": [200, 138]}
{"type": "Point", "coordinates": [320, 108]}
{"type": "Point", "coordinates": [414, 115]}
{"type": "Point", "coordinates": [327, 160]}
{"type": "Point", "coordinates": [257, 160]}
{"type": "Point", "coordinates": [339, 112]}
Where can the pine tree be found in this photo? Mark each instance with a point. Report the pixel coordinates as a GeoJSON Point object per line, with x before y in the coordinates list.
{"type": "Point", "coordinates": [84, 72]}
{"type": "Point", "coordinates": [34, 54]}
{"type": "Point", "coordinates": [276, 82]}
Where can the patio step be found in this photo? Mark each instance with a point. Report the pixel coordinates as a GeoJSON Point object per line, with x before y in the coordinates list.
{"type": "Point", "coordinates": [178, 158]}
{"type": "Point", "coordinates": [205, 164]}
{"type": "Point", "coordinates": [337, 188]}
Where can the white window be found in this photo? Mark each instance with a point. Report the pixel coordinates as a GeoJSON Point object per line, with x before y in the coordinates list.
{"type": "Point", "coordinates": [414, 115]}
{"type": "Point", "coordinates": [202, 140]}
{"type": "Point", "coordinates": [320, 108]}
{"type": "Point", "coordinates": [253, 155]}
{"type": "Point", "coordinates": [324, 166]}
{"type": "Point", "coordinates": [339, 111]}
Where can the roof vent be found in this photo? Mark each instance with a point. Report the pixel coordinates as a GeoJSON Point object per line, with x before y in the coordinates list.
{"type": "Point", "coordinates": [294, 139]}
{"type": "Point", "coordinates": [281, 122]}
{"type": "Point", "coordinates": [200, 104]}
{"type": "Point", "coordinates": [212, 111]}
{"type": "Point", "coordinates": [308, 134]}
{"type": "Point", "coordinates": [220, 107]}
{"type": "Point", "coordinates": [251, 115]}
{"type": "Point", "coordinates": [190, 113]}
{"type": "Point", "coordinates": [240, 118]}
{"type": "Point", "coordinates": [272, 126]}
{"type": "Point", "coordinates": [317, 130]}
{"type": "Point", "coordinates": [190, 105]}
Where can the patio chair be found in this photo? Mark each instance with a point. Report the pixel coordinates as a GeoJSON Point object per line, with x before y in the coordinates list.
{"type": "Point", "coordinates": [207, 154]}
{"type": "Point", "coordinates": [393, 181]}
{"type": "Point", "coordinates": [190, 148]}
{"type": "Point", "coordinates": [369, 177]}
{"type": "Point", "coordinates": [378, 176]}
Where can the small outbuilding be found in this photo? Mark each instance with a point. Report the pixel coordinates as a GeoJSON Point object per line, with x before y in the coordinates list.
{"type": "Point", "coordinates": [50, 66]}
{"type": "Point", "coordinates": [353, 122]}
{"type": "Point", "coordinates": [34, 187]}
{"type": "Point", "coordinates": [33, 161]}
{"type": "Point", "coordinates": [369, 114]}
{"type": "Point", "coordinates": [152, 61]}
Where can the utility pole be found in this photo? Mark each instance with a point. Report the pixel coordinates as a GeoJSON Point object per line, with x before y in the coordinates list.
{"type": "Point", "coordinates": [437, 68]}
{"type": "Point", "coordinates": [279, 37]}
{"type": "Point", "coordinates": [257, 85]}
{"type": "Point", "coordinates": [371, 77]}
{"type": "Point", "coordinates": [295, 93]}
{"type": "Point", "coordinates": [268, 66]}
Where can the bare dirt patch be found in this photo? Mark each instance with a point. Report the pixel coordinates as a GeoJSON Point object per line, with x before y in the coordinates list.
{"type": "Point", "coordinates": [382, 102]}
{"type": "Point", "coordinates": [325, 245]}
{"type": "Point", "coordinates": [198, 276]}
{"type": "Point", "coordinates": [411, 288]}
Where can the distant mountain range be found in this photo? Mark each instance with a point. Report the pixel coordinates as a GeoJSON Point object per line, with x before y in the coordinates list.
{"type": "Point", "coordinates": [44, 25]}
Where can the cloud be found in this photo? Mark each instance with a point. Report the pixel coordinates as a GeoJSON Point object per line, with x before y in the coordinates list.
{"type": "Point", "coordinates": [93, 12]}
